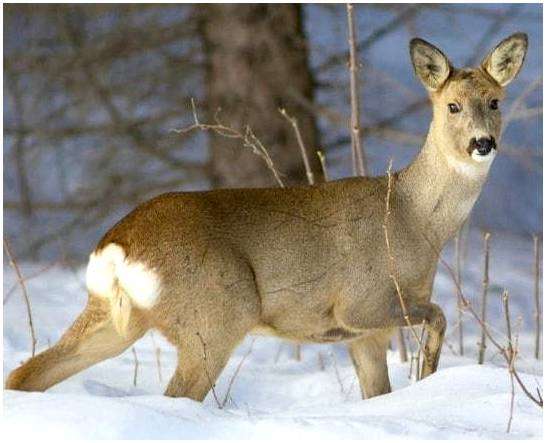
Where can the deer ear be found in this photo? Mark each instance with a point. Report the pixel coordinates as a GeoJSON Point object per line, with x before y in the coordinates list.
{"type": "Point", "coordinates": [430, 64]}
{"type": "Point", "coordinates": [504, 62]}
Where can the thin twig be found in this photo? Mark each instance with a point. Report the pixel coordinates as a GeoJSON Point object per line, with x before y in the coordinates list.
{"type": "Point", "coordinates": [157, 352]}
{"type": "Point", "coordinates": [294, 123]}
{"type": "Point", "coordinates": [402, 349]}
{"type": "Point", "coordinates": [278, 353]}
{"type": "Point", "coordinates": [322, 159]}
{"type": "Point", "coordinates": [459, 307]}
{"type": "Point", "coordinates": [21, 281]}
{"type": "Point", "coordinates": [518, 101]}
{"type": "Point", "coordinates": [297, 352]}
{"type": "Point", "coordinates": [392, 264]}
{"type": "Point", "coordinates": [237, 370]}
{"type": "Point", "coordinates": [29, 277]}
{"type": "Point", "coordinates": [468, 307]}
{"type": "Point", "coordinates": [205, 360]}
{"type": "Point", "coordinates": [418, 360]}
{"type": "Point", "coordinates": [511, 349]}
{"type": "Point", "coordinates": [358, 157]}
{"type": "Point", "coordinates": [412, 362]}
{"type": "Point", "coordinates": [336, 370]}
{"type": "Point", "coordinates": [505, 304]}
{"type": "Point", "coordinates": [538, 311]}
{"type": "Point", "coordinates": [485, 288]}
{"type": "Point", "coordinates": [247, 137]}
{"type": "Point", "coordinates": [135, 373]}
{"type": "Point", "coordinates": [321, 364]}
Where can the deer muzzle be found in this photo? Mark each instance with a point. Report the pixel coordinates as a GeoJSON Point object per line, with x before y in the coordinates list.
{"type": "Point", "coordinates": [482, 146]}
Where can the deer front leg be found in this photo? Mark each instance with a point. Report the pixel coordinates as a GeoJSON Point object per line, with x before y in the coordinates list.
{"type": "Point", "coordinates": [369, 357]}
{"type": "Point", "coordinates": [436, 327]}
{"type": "Point", "coordinates": [359, 317]}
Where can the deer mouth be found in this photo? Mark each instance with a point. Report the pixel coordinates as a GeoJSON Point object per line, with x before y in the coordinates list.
{"type": "Point", "coordinates": [482, 149]}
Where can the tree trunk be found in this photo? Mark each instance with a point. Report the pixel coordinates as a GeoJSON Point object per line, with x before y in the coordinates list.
{"type": "Point", "coordinates": [257, 62]}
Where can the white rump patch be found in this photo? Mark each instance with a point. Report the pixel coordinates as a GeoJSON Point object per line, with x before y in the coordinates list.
{"type": "Point", "coordinates": [109, 267]}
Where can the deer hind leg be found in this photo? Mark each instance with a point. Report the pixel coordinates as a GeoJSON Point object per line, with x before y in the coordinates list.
{"type": "Point", "coordinates": [369, 357]}
{"type": "Point", "coordinates": [206, 322]}
{"type": "Point", "coordinates": [206, 343]}
{"type": "Point", "coordinates": [91, 339]}
{"type": "Point", "coordinates": [200, 363]}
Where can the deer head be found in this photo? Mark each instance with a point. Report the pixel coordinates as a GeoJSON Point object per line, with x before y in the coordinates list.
{"type": "Point", "coordinates": [466, 122]}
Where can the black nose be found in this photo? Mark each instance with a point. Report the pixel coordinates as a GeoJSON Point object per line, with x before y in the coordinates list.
{"type": "Point", "coordinates": [483, 145]}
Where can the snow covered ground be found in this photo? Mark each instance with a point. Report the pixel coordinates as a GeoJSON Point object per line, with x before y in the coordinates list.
{"type": "Point", "coordinates": [274, 395]}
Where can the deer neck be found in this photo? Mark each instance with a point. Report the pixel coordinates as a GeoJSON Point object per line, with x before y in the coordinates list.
{"type": "Point", "coordinates": [438, 194]}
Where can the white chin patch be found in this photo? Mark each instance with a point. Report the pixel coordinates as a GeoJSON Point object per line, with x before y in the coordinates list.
{"type": "Point", "coordinates": [476, 156]}
{"type": "Point", "coordinates": [109, 267]}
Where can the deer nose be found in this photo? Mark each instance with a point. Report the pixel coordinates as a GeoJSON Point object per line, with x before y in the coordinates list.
{"type": "Point", "coordinates": [484, 145]}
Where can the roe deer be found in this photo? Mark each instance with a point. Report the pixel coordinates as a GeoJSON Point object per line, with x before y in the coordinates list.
{"type": "Point", "coordinates": [307, 263]}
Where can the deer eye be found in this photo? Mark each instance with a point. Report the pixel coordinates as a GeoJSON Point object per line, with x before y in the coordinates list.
{"type": "Point", "coordinates": [453, 108]}
{"type": "Point", "coordinates": [494, 104]}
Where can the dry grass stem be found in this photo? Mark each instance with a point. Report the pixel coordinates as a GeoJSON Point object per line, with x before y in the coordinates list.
{"type": "Point", "coordinates": [21, 281]}
{"type": "Point", "coordinates": [237, 370]}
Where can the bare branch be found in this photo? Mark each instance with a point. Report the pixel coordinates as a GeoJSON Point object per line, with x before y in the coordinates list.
{"type": "Point", "coordinates": [135, 358]}
{"type": "Point", "coordinates": [27, 278]}
{"type": "Point", "coordinates": [459, 307]}
{"type": "Point", "coordinates": [294, 123]}
{"type": "Point", "coordinates": [468, 306]}
{"type": "Point", "coordinates": [321, 364]}
{"type": "Point", "coordinates": [336, 371]}
{"type": "Point", "coordinates": [248, 139]}
{"type": "Point", "coordinates": [21, 281]}
{"type": "Point", "coordinates": [485, 288]}
{"type": "Point", "coordinates": [358, 157]}
{"type": "Point", "coordinates": [402, 349]}
{"type": "Point", "coordinates": [322, 159]}
{"type": "Point", "coordinates": [376, 35]}
{"type": "Point", "coordinates": [512, 352]}
{"type": "Point", "coordinates": [157, 353]}
{"type": "Point", "coordinates": [538, 311]}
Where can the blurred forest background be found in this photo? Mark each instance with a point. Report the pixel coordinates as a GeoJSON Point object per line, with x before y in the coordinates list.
{"type": "Point", "coordinates": [92, 94]}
